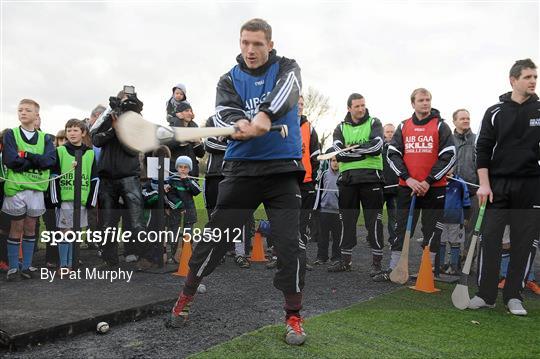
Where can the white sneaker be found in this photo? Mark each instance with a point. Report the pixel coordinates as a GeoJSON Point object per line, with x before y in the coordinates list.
{"type": "Point", "coordinates": [516, 307]}
{"type": "Point", "coordinates": [477, 303]}
{"type": "Point", "coordinates": [131, 258]}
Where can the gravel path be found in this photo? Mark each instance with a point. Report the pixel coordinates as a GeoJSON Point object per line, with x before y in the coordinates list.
{"type": "Point", "coordinates": [237, 301]}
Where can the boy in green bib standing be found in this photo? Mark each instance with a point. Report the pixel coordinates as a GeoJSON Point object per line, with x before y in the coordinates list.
{"type": "Point", "coordinates": [28, 155]}
{"type": "Point", "coordinates": [63, 189]}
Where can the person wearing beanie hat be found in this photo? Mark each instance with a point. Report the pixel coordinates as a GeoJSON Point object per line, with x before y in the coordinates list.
{"type": "Point", "coordinates": [181, 190]}
{"type": "Point", "coordinates": [193, 149]}
{"type": "Point", "coordinates": [183, 160]}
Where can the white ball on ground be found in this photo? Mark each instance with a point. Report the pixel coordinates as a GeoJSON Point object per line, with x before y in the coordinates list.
{"type": "Point", "coordinates": [102, 328]}
{"type": "Point", "coordinates": [201, 288]}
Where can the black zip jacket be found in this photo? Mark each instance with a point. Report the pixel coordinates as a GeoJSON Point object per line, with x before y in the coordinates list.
{"type": "Point", "coordinates": [215, 146]}
{"type": "Point", "coordinates": [55, 189]}
{"type": "Point", "coordinates": [116, 161]}
{"type": "Point", "coordinates": [190, 149]}
{"type": "Point", "coordinates": [509, 140]}
{"type": "Point", "coordinates": [229, 109]}
{"type": "Point", "coordinates": [372, 147]}
{"type": "Point", "coordinates": [447, 149]}
{"type": "Point", "coordinates": [390, 177]}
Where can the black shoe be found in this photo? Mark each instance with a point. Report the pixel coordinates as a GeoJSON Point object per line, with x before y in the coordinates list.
{"type": "Point", "coordinates": [319, 262]}
{"type": "Point", "coordinates": [375, 269]}
{"type": "Point", "coordinates": [242, 262]}
{"type": "Point", "coordinates": [340, 266]}
{"type": "Point", "coordinates": [27, 274]}
{"type": "Point", "coordinates": [383, 276]}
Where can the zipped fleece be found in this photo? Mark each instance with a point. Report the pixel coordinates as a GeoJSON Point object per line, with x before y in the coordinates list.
{"type": "Point", "coordinates": [509, 139]}
{"type": "Point", "coordinates": [446, 152]}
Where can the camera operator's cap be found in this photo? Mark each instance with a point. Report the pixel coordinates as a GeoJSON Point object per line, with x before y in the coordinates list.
{"type": "Point", "coordinates": [184, 160]}
{"type": "Point", "coordinates": [184, 105]}
{"type": "Point", "coordinates": [181, 87]}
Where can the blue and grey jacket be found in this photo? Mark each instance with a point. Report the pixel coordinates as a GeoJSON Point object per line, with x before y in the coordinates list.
{"type": "Point", "coordinates": [273, 88]}
{"type": "Point", "coordinates": [327, 199]}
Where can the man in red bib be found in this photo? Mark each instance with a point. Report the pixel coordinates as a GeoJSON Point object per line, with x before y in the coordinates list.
{"type": "Point", "coordinates": [421, 152]}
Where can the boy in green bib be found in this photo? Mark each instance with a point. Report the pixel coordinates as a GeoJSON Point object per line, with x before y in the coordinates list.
{"type": "Point", "coordinates": [63, 189]}
{"type": "Point", "coordinates": [28, 155]}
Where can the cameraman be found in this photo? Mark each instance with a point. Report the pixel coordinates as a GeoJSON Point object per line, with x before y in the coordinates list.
{"type": "Point", "coordinates": [119, 171]}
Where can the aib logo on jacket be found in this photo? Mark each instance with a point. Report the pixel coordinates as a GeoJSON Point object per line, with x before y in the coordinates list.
{"type": "Point", "coordinates": [534, 122]}
{"type": "Point", "coordinates": [419, 144]}
{"type": "Point", "coordinates": [252, 104]}
{"type": "Point", "coordinates": [69, 179]}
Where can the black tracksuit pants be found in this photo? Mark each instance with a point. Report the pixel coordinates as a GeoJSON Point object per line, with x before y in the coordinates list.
{"type": "Point", "coordinates": [211, 192]}
{"type": "Point", "coordinates": [432, 207]}
{"type": "Point", "coordinates": [238, 197]}
{"type": "Point", "coordinates": [307, 190]}
{"type": "Point", "coordinates": [331, 226]}
{"type": "Point", "coordinates": [515, 201]}
{"type": "Point", "coordinates": [371, 197]}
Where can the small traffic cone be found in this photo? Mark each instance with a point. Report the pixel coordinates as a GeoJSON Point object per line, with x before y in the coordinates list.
{"type": "Point", "coordinates": [20, 250]}
{"type": "Point", "coordinates": [425, 282]}
{"type": "Point", "coordinates": [257, 252]}
{"type": "Point", "coordinates": [183, 266]}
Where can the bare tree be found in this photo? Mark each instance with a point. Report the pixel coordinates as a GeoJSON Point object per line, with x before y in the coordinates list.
{"type": "Point", "coordinates": [316, 105]}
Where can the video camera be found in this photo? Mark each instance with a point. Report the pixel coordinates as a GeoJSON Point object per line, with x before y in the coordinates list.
{"type": "Point", "coordinates": [125, 101]}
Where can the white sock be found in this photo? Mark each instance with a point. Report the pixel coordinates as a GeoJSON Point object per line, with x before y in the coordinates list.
{"type": "Point", "coordinates": [394, 259]}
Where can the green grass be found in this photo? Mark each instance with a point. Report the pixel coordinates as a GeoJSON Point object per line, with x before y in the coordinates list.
{"type": "Point", "coordinates": [402, 324]}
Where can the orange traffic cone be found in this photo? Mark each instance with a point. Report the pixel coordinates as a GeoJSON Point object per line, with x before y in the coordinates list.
{"type": "Point", "coordinates": [257, 253]}
{"type": "Point", "coordinates": [425, 281]}
{"type": "Point", "coordinates": [183, 266]}
{"type": "Point", "coordinates": [20, 250]}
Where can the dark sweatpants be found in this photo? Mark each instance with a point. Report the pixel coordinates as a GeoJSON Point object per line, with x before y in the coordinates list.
{"type": "Point", "coordinates": [331, 226]}
{"type": "Point", "coordinates": [432, 207]}
{"type": "Point", "coordinates": [515, 201]}
{"type": "Point", "coordinates": [238, 197]}
{"type": "Point", "coordinates": [371, 197]}
{"type": "Point", "coordinates": [307, 190]}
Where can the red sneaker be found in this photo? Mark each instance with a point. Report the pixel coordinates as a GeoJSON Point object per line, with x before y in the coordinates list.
{"type": "Point", "coordinates": [501, 283]}
{"type": "Point", "coordinates": [4, 266]}
{"type": "Point", "coordinates": [533, 286]}
{"type": "Point", "coordinates": [295, 331]}
{"type": "Point", "coordinates": [180, 311]}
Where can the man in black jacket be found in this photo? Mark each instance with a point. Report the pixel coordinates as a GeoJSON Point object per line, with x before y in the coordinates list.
{"type": "Point", "coordinates": [508, 161]}
{"type": "Point", "coordinates": [260, 167]}
{"type": "Point", "coordinates": [119, 171]}
{"type": "Point", "coordinates": [360, 181]}
{"type": "Point", "coordinates": [192, 149]}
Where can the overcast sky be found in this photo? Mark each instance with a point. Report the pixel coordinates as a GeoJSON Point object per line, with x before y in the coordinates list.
{"type": "Point", "coordinates": [70, 56]}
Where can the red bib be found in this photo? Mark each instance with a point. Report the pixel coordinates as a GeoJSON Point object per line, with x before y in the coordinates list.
{"type": "Point", "coordinates": [421, 150]}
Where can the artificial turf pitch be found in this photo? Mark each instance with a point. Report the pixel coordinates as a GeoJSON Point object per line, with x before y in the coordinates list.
{"type": "Point", "coordinates": [401, 324]}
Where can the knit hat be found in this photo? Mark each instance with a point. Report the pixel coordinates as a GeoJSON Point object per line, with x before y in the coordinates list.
{"type": "Point", "coordinates": [181, 87]}
{"type": "Point", "coordinates": [184, 160]}
{"type": "Point", "coordinates": [182, 106]}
